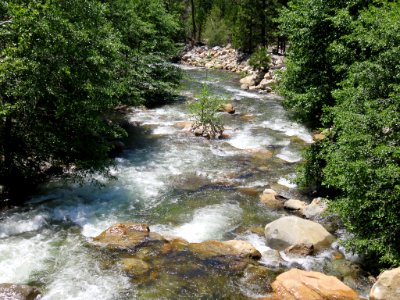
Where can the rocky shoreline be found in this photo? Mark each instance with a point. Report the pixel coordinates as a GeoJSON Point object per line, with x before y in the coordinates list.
{"type": "Point", "coordinates": [229, 59]}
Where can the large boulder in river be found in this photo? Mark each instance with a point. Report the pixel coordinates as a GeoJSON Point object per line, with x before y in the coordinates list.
{"type": "Point", "coordinates": [302, 285]}
{"type": "Point", "coordinates": [387, 286]}
{"type": "Point", "coordinates": [292, 230]}
{"type": "Point", "coordinates": [128, 236]}
{"type": "Point", "coordinates": [9, 291]}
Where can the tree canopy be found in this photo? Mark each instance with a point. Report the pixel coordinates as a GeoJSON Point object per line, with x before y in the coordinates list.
{"type": "Point", "coordinates": [65, 65]}
{"type": "Point", "coordinates": [343, 74]}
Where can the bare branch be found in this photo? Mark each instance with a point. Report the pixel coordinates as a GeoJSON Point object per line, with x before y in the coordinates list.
{"type": "Point", "coordinates": [5, 22]}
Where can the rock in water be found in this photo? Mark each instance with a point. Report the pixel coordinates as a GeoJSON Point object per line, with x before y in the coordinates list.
{"type": "Point", "coordinates": [387, 287]}
{"type": "Point", "coordinates": [9, 291]}
{"type": "Point", "coordinates": [127, 236]}
{"type": "Point", "coordinates": [302, 285]}
{"type": "Point", "coordinates": [228, 108]}
{"type": "Point", "coordinates": [238, 248]}
{"type": "Point", "coordinates": [288, 231]}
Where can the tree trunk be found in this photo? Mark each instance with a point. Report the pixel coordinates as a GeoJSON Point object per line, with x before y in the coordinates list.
{"type": "Point", "coordinates": [263, 23]}
{"type": "Point", "coordinates": [193, 21]}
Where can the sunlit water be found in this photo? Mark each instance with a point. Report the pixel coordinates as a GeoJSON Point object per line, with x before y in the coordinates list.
{"type": "Point", "coordinates": [179, 184]}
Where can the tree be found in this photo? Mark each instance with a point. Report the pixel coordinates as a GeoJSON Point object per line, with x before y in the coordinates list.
{"type": "Point", "coordinates": [352, 84]}
{"type": "Point", "coordinates": [65, 66]}
{"type": "Point", "coordinates": [363, 160]}
{"type": "Point", "coordinates": [204, 111]}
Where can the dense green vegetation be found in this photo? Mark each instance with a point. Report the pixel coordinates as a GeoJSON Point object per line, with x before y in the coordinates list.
{"type": "Point", "coordinates": [65, 66]}
{"type": "Point", "coordinates": [246, 24]}
{"type": "Point", "coordinates": [343, 75]}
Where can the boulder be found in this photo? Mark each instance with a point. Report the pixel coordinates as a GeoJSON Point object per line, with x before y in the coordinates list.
{"type": "Point", "coordinates": [302, 285]}
{"type": "Point", "coordinates": [387, 287]}
{"type": "Point", "coordinates": [238, 248]}
{"type": "Point", "coordinates": [315, 208]}
{"type": "Point", "coordinates": [134, 266]}
{"type": "Point", "coordinates": [127, 237]}
{"type": "Point", "coordinates": [270, 201]}
{"type": "Point", "coordinates": [228, 108]}
{"type": "Point", "coordinates": [292, 230]}
{"type": "Point", "coordinates": [265, 83]}
{"type": "Point", "coordinates": [249, 80]}
{"type": "Point", "coordinates": [302, 249]}
{"type": "Point", "coordinates": [247, 117]}
{"type": "Point", "coordinates": [270, 191]}
{"type": "Point", "coordinates": [293, 204]}
{"type": "Point", "coordinates": [9, 291]}
{"type": "Point", "coordinates": [319, 136]}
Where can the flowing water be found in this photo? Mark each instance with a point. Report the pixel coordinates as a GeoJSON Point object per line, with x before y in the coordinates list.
{"type": "Point", "coordinates": [180, 185]}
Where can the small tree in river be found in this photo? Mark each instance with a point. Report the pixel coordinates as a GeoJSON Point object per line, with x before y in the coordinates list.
{"type": "Point", "coordinates": [205, 113]}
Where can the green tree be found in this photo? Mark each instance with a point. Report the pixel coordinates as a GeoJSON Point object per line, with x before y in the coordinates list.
{"type": "Point", "coordinates": [205, 113]}
{"type": "Point", "coordinates": [65, 65]}
{"type": "Point", "coordinates": [364, 156]}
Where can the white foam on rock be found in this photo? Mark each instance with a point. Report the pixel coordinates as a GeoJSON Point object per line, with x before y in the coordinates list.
{"type": "Point", "coordinates": [289, 155]}
{"type": "Point", "coordinates": [20, 223]}
{"type": "Point", "coordinates": [20, 257]}
{"type": "Point", "coordinates": [289, 128]}
{"type": "Point", "coordinates": [78, 275]}
{"type": "Point", "coordinates": [208, 223]}
{"type": "Point", "coordinates": [286, 182]}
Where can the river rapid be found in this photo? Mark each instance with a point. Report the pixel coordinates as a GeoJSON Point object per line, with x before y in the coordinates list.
{"type": "Point", "coordinates": [180, 185]}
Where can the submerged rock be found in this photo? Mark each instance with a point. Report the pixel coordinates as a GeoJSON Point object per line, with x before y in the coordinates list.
{"type": "Point", "coordinates": [291, 230]}
{"type": "Point", "coordinates": [9, 291]}
{"type": "Point", "coordinates": [302, 285]}
{"type": "Point", "coordinates": [127, 236]}
{"type": "Point", "coordinates": [238, 248]}
{"type": "Point", "coordinates": [387, 286]}
{"type": "Point", "coordinates": [270, 201]}
{"type": "Point", "coordinates": [134, 267]}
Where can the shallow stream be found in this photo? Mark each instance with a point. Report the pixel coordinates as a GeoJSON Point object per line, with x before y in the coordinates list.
{"type": "Point", "coordinates": [180, 185]}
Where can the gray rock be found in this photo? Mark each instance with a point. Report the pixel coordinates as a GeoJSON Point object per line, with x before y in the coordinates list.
{"type": "Point", "coordinates": [291, 230]}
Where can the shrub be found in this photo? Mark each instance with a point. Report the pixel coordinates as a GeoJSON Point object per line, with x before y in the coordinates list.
{"type": "Point", "coordinates": [205, 113]}
{"type": "Point", "coordinates": [260, 60]}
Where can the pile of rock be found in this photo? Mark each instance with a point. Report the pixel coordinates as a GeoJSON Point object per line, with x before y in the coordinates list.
{"type": "Point", "coordinates": [229, 59]}
{"type": "Point", "coordinates": [224, 58]}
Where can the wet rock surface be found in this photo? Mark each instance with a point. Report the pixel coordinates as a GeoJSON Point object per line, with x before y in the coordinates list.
{"type": "Point", "coordinates": [302, 285]}
{"type": "Point", "coordinates": [9, 291]}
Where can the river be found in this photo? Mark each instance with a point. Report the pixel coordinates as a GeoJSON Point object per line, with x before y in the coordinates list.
{"type": "Point", "coordinates": [180, 185]}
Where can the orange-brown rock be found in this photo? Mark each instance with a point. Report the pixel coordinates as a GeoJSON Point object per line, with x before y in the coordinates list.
{"type": "Point", "coordinates": [127, 236]}
{"type": "Point", "coordinates": [228, 108]}
{"type": "Point", "coordinates": [303, 285]}
{"type": "Point", "coordinates": [260, 153]}
{"type": "Point", "coordinates": [247, 117]}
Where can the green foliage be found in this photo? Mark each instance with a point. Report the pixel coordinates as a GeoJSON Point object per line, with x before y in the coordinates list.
{"type": "Point", "coordinates": [216, 31]}
{"type": "Point", "coordinates": [260, 60]}
{"type": "Point", "coordinates": [364, 160]}
{"type": "Point", "coordinates": [205, 113]}
{"type": "Point", "coordinates": [65, 65]}
{"type": "Point", "coordinates": [354, 74]}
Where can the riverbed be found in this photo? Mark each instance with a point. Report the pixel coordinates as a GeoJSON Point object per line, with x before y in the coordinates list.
{"type": "Point", "coordinates": [179, 184]}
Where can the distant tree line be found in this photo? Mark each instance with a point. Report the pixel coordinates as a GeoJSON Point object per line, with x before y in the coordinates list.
{"type": "Point", "coordinates": [246, 24]}
{"type": "Point", "coordinates": [64, 67]}
{"type": "Point", "coordinates": [343, 78]}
